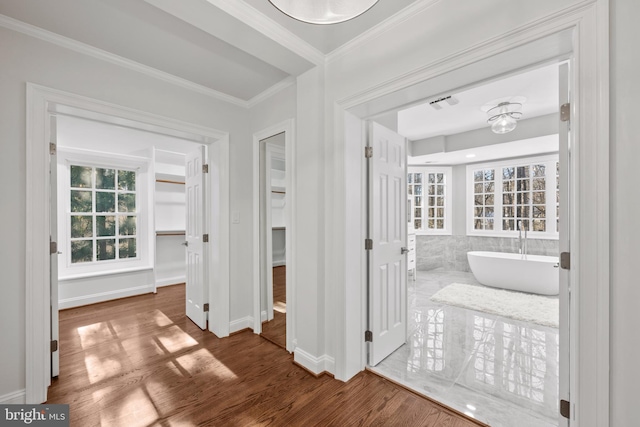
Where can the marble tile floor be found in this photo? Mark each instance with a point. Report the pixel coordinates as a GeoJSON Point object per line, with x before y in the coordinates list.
{"type": "Point", "coordinates": [500, 371]}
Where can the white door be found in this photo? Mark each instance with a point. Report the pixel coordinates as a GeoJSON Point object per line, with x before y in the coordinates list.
{"type": "Point", "coordinates": [195, 247]}
{"type": "Point", "coordinates": [388, 230]}
{"type": "Point", "coordinates": [53, 237]}
{"type": "Point", "coordinates": [563, 229]}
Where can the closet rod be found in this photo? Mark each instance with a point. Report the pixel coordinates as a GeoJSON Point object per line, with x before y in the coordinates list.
{"type": "Point", "coordinates": [168, 181]}
{"type": "Point", "coordinates": [170, 233]}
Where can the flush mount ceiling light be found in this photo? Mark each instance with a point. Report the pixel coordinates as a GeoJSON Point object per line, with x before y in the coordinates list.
{"type": "Point", "coordinates": [323, 11]}
{"type": "Point", "coordinates": [504, 116]}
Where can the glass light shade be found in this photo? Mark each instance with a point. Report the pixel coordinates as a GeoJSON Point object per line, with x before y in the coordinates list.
{"type": "Point", "coordinates": [504, 124]}
{"type": "Point", "coordinates": [323, 11]}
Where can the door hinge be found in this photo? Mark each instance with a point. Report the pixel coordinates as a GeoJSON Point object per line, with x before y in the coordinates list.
{"type": "Point", "coordinates": [53, 247]}
{"type": "Point", "coordinates": [205, 307]}
{"type": "Point", "coordinates": [368, 152]}
{"type": "Point", "coordinates": [53, 149]}
{"type": "Point", "coordinates": [205, 168]}
{"type": "Point", "coordinates": [565, 409]}
{"type": "Point", "coordinates": [205, 238]}
{"type": "Point", "coordinates": [565, 260]}
{"type": "Point", "coordinates": [565, 112]}
{"type": "Point", "coordinates": [368, 244]}
{"type": "Point", "coordinates": [54, 346]}
{"type": "Point", "coordinates": [368, 336]}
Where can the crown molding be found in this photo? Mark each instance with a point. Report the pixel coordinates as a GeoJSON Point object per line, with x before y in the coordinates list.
{"type": "Point", "coordinates": [386, 25]}
{"type": "Point", "coordinates": [282, 84]}
{"type": "Point", "coordinates": [68, 43]}
{"type": "Point", "coordinates": [276, 32]}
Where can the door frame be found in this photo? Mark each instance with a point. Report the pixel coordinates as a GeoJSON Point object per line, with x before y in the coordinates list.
{"type": "Point", "coordinates": [288, 127]}
{"type": "Point", "coordinates": [589, 232]}
{"type": "Point", "coordinates": [42, 101]}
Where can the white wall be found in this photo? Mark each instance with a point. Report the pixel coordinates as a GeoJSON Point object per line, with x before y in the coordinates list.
{"type": "Point", "coordinates": [26, 59]}
{"type": "Point", "coordinates": [625, 206]}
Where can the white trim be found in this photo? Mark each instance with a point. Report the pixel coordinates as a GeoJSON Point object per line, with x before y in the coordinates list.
{"type": "Point", "coordinates": [41, 101]}
{"type": "Point", "coordinates": [316, 365]}
{"type": "Point", "coordinates": [374, 32]}
{"type": "Point", "coordinates": [177, 280]}
{"type": "Point", "coordinates": [104, 273]}
{"type": "Point", "coordinates": [283, 84]}
{"type": "Point", "coordinates": [14, 398]}
{"type": "Point", "coordinates": [590, 200]}
{"type": "Point", "coordinates": [288, 127]}
{"type": "Point", "coordinates": [240, 324]}
{"type": "Point", "coordinates": [85, 49]}
{"type": "Point", "coordinates": [104, 296]}
{"type": "Point", "coordinates": [276, 32]}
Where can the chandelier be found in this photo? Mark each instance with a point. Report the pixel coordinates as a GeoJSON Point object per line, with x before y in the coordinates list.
{"type": "Point", "coordinates": [504, 116]}
{"type": "Point", "coordinates": [323, 11]}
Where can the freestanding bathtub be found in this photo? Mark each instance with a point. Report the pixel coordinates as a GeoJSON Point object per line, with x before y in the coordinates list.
{"type": "Point", "coordinates": [536, 274]}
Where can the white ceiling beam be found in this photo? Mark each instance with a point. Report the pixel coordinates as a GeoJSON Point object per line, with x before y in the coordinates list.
{"type": "Point", "coordinates": [245, 28]}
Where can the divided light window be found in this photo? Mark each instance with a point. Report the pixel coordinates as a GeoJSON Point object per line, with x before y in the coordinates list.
{"type": "Point", "coordinates": [429, 204]}
{"type": "Point", "coordinates": [512, 194]}
{"type": "Point", "coordinates": [103, 214]}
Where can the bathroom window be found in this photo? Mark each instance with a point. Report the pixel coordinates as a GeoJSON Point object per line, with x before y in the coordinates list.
{"type": "Point", "coordinates": [510, 195]}
{"type": "Point", "coordinates": [102, 218]}
{"type": "Point", "coordinates": [427, 190]}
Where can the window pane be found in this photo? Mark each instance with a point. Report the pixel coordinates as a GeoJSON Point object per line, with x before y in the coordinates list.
{"type": "Point", "coordinates": [417, 190]}
{"type": "Point", "coordinates": [81, 251]}
{"type": "Point", "coordinates": [105, 202]}
{"type": "Point", "coordinates": [417, 213]}
{"type": "Point", "coordinates": [431, 224]}
{"type": "Point", "coordinates": [105, 225]}
{"type": "Point", "coordinates": [507, 212]}
{"type": "Point", "coordinates": [477, 188]}
{"type": "Point", "coordinates": [409, 178]}
{"type": "Point", "coordinates": [477, 176]}
{"type": "Point", "coordinates": [440, 178]}
{"type": "Point", "coordinates": [127, 180]}
{"type": "Point", "coordinates": [477, 224]}
{"type": "Point", "coordinates": [508, 173]}
{"type": "Point", "coordinates": [538, 184]}
{"type": "Point", "coordinates": [523, 171]}
{"type": "Point", "coordinates": [431, 178]}
{"type": "Point", "coordinates": [488, 200]}
{"type": "Point", "coordinates": [538, 170]}
{"type": "Point", "coordinates": [539, 225]}
{"type": "Point", "coordinates": [126, 202]}
{"type": "Point", "coordinates": [440, 201]}
{"type": "Point", "coordinates": [105, 179]}
{"type": "Point", "coordinates": [417, 178]}
{"type": "Point", "coordinates": [488, 224]}
{"type": "Point", "coordinates": [539, 212]}
{"type": "Point", "coordinates": [440, 190]}
{"type": "Point", "coordinates": [418, 201]}
{"type": "Point", "coordinates": [440, 224]}
{"type": "Point", "coordinates": [508, 186]}
{"type": "Point", "coordinates": [478, 212]}
{"type": "Point", "coordinates": [523, 198]}
{"type": "Point", "coordinates": [106, 249]}
{"type": "Point", "coordinates": [81, 201]}
{"type": "Point", "coordinates": [432, 201]}
{"type": "Point", "coordinates": [539, 198]}
{"type": "Point", "coordinates": [81, 226]}
{"type": "Point", "coordinates": [488, 175]}
{"type": "Point", "coordinates": [479, 200]}
{"type": "Point", "coordinates": [80, 176]}
{"type": "Point", "coordinates": [410, 190]}
{"type": "Point", "coordinates": [127, 248]}
{"type": "Point", "coordinates": [417, 224]}
{"type": "Point", "coordinates": [507, 199]}
{"type": "Point", "coordinates": [508, 224]}
{"type": "Point", "coordinates": [440, 213]}
{"type": "Point", "coordinates": [489, 187]}
{"type": "Point", "coordinates": [523, 211]}
{"type": "Point", "coordinates": [128, 225]}
{"type": "Point", "coordinates": [432, 190]}
{"type": "Point", "coordinates": [523, 185]}
{"type": "Point", "coordinates": [488, 212]}
{"type": "Point", "coordinates": [431, 212]}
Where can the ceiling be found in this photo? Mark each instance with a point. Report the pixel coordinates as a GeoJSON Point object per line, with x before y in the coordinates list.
{"type": "Point", "coordinates": [236, 49]}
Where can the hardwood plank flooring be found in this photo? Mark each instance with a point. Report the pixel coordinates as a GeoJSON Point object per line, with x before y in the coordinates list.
{"type": "Point", "coordinates": [140, 362]}
{"type": "Point", "coordinates": [276, 330]}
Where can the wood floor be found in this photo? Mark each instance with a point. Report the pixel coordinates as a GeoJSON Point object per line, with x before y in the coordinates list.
{"type": "Point", "coordinates": [140, 362]}
{"type": "Point", "coordinates": [276, 329]}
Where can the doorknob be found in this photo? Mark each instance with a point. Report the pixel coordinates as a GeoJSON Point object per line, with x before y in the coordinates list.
{"type": "Point", "coordinates": [404, 251]}
{"type": "Point", "coordinates": [185, 243]}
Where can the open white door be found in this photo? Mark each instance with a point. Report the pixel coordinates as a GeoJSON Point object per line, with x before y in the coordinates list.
{"type": "Point", "coordinates": [388, 230]}
{"type": "Point", "coordinates": [53, 239]}
{"type": "Point", "coordinates": [564, 240]}
{"type": "Point", "coordinates": [195, 237]}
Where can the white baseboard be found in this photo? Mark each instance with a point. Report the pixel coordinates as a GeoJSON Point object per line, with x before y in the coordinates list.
{"type": "Point", "coordinates": [240, 324]}
{"type": "Point", "coordinates": [316, 365]}
{"type": "Point", "coordinates": [103, 296]}
{"type": "Point", "coordinates": [15, 398]}
{"type": "Point", "coordinates": [171, 281]}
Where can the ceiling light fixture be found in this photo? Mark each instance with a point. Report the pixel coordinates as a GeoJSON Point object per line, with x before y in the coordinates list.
{"type": "Point", "coordinates": [323, 11]}
{"type": "Point", "coordinates": [504, 116]}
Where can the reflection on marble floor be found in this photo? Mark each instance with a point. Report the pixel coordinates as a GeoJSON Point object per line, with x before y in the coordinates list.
{"type": "Point", "coordinates": [501, 371]}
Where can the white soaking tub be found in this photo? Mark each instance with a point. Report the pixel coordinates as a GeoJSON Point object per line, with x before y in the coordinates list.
{"type": "Point", "coordinates": [536, 274]}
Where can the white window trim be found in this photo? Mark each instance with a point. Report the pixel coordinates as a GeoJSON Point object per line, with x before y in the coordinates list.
{"type": "Point", "coordinates": [550, 189]}
{"type": "Point", "coordinates": [448, 202]}
{"type": "Point", "coordinates": [68, 156]}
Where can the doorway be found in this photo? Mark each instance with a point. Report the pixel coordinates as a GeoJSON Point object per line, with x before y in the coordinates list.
{"type": "Point", "coordinates": [45, 103]}
{"type": "Point", "coordinates": [274, 250]}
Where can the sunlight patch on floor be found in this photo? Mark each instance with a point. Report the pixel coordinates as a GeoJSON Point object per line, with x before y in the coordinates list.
{"type": "Point", "coordinates": [175, 339]}
{"type": "Point", "coordinates": [100, 368]}
{"type": "Point", "coordinates": [133, 410]}
{"type": "Point", "coordinates": [96, 333]}
{"type": "Point", "coordinates": [203, 360]}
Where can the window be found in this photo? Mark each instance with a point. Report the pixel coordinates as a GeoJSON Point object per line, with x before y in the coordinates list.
{"type": "Point", "coordinates": [511, 195]}
{"type": "Point", "coordinates": [429, 201]}
{"type": "Point", "coordinates": [103, 214]}
{"type": "Point", "coordinates": [102, 219]}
